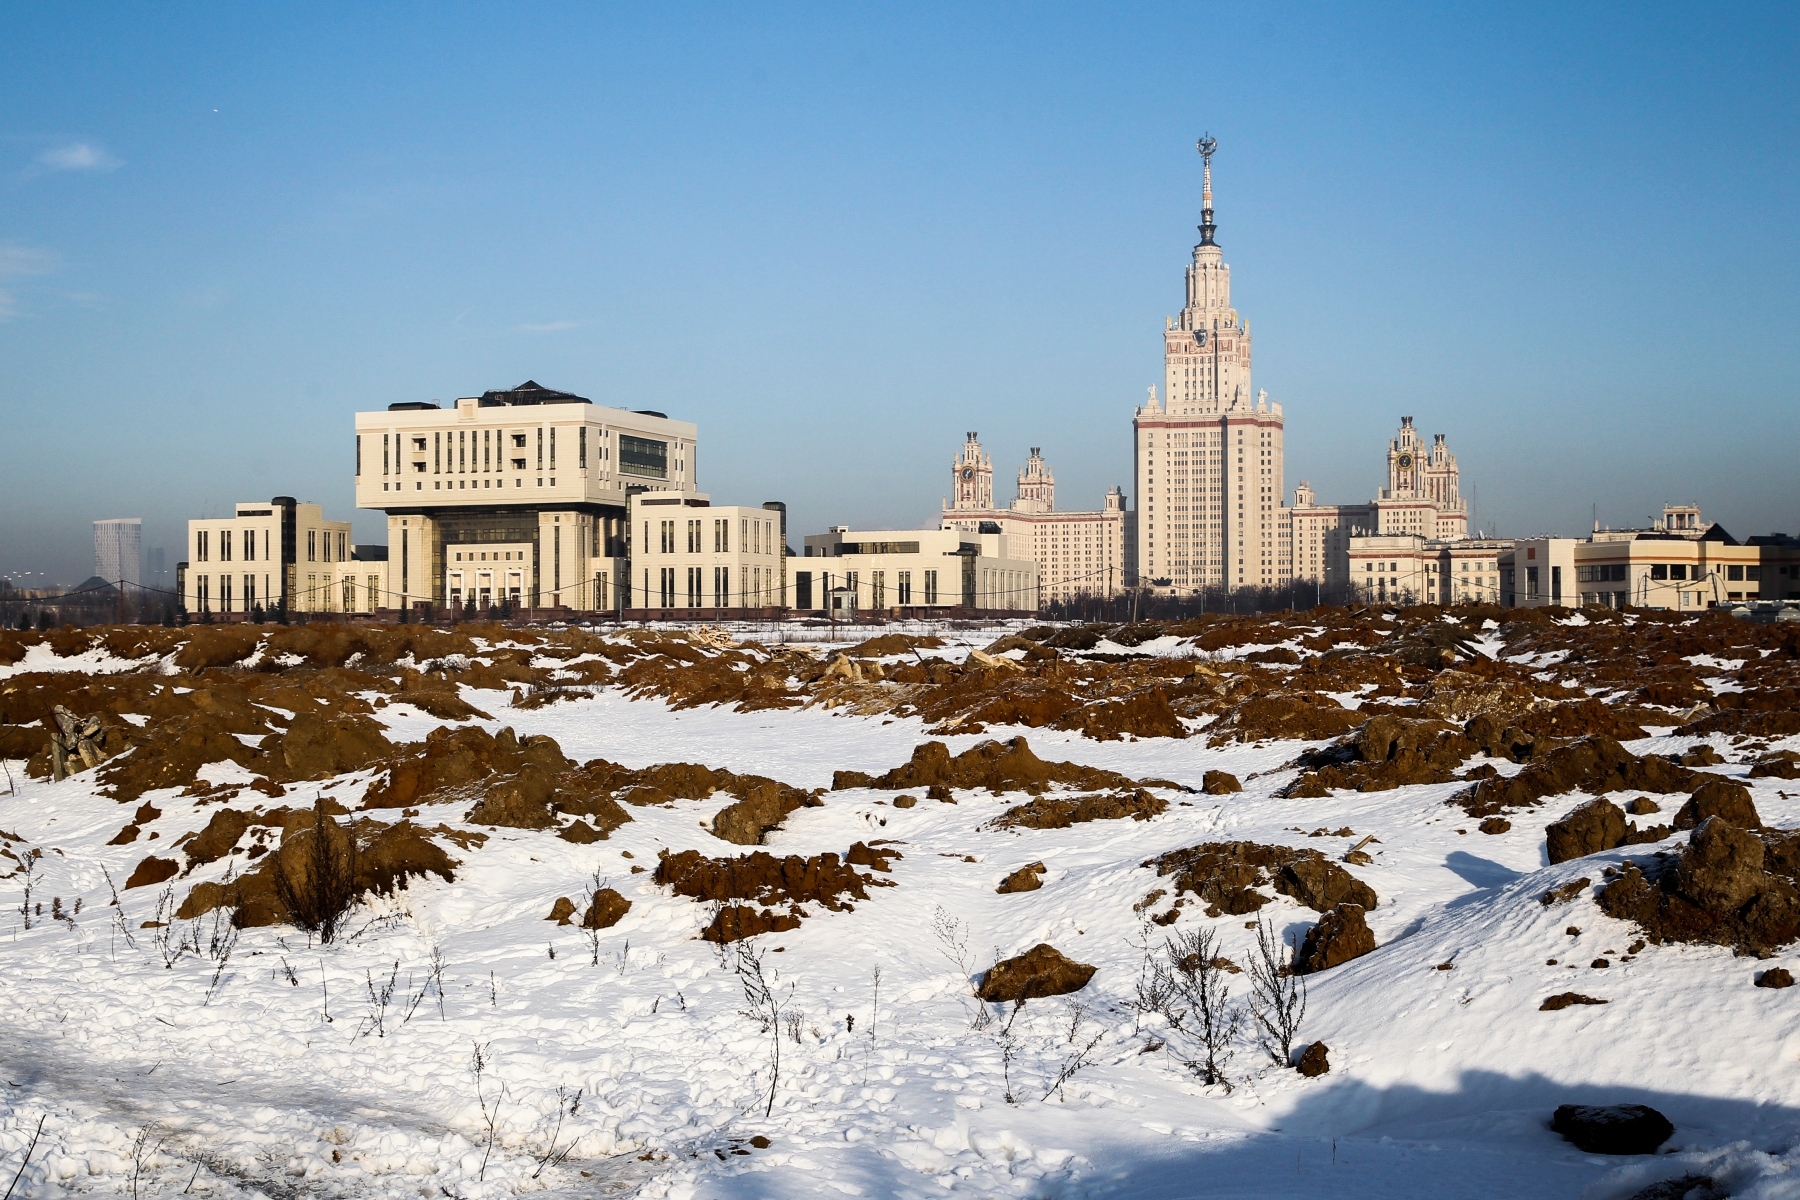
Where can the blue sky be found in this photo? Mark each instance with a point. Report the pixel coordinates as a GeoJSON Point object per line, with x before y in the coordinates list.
{"type": "Point", "coordinates": [839, 236]}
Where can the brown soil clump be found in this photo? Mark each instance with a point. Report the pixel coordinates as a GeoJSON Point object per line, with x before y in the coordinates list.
{"type": "Point", "coordinates": [1727, 886]}
{"type": "Point", "coordinates": [1314, 1061]}
{"type": "Point", "coordinates": [562, 912]}
{"type": "Point", "coordinates": [1225, 874]}
{"type": "Point", "coordinates": [1039, 972]}
{"type": "Point", "coordinates": [1341, 935]}
{"type": "Point", "coordinates": [896, 643]}
{"type": "Point", "coordinates": [219, 837]}
{"type": "Point", "coordinates": [1775, 977]}
{"type": "Point", "coordinates": [1782, 764]}
{"type": "Point", "coordinates": [1386, 753]}
{"type": "Point", "coordinates": [1220, 783]}
{"type": "Point", "coordinates": [1612, 1128]}
{"type": "Point", "coordinates": [316, 746]}
{"type": "Point", "coordinates": [762, 879]}
{"type": "Point", "coordinates": [1595, 826]}
{"type": "Point", "coordinates": [1303, 716]}
{"type": "Point", "coordinates": [1595, 765]}
{"type": "Point", "coordinates": [1028, 878]}
{"type": "Point", "coordinates": [1723, 798]}
{"type": "Point", "coordinates": [152, 871]}
{"type": "Point", "coordinates": [1565, 1000]}
{"type": "Point", "coordinates": [1060, 812]}
{"type": "Point", "coordinates": [1142, 714]}
{"type": "Point", "coordinates": [605, 910]}
{"type": "Point", "coordinates": [998, 767]}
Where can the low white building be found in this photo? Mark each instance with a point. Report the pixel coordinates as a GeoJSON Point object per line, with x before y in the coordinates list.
{"type": "Point", "coordinates": [688, 553]}
{"type": "Point", "coordinates": [273, 552]}
{"type": "Point", "coordinates": [897, 569]}
{"type": "Point", "coordinates": [1409, 569]}
{"type": "Point", "coordinates": [1679, 563]}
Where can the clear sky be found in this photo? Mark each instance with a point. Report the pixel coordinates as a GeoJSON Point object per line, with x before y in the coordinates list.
{"type": "Point", "coordinates": [837, 237]}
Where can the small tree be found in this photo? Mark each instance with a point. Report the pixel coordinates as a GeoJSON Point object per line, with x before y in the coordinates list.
{"type": "Point", "coordinates": [1197, 977]}
{"type": "Point", "coordinates": [1278, 994]}
{"type": "Point", "coordinates": [318, 885]}
{"type": "Point", "coordinates": [257, 614]}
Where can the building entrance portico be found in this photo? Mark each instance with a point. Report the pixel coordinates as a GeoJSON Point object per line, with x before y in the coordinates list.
{"type": "Point", "coordinates": [486, 573]}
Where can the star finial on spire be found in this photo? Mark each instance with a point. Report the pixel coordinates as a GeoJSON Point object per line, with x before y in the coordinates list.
{"type": "Point", "coordinates": [1207, 146]}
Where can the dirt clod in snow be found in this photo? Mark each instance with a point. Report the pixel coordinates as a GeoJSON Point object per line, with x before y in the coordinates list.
{"type": "Point", "coordinates": [1612, 1128]}
{"type": "Point", "coordinates": [1775, 977]}
{"type": "Point", "coordinates": [1314, 1061]}
{"type": "Point", "coordinates": [1595, 826]}
{"type": "Point", "coordinates": [1225, 874]}
{"type": "Point", "coordinates": [607, 908]}
{"type": "Point", "coordinates": [761, 878]}
{"type": "Point", "coordinates": [1041, 971]}
{"type": "Point", "coordinates": [997, 766]}
{"type": "Point", "coordinates": [1028, 878]}
{"type": "Point", "coordinates": [1596, 765]}
{"type": "Point", "coordinates": [1060, 812]}
{"type": "Point", "coordinates": [152, 871]}
{"type": "Point", "coordinates": [1723, 798]}
{"type": "Point", "coordinates": [1341, 935]}
{"type": "Point", "coordinates": [1565, 999]}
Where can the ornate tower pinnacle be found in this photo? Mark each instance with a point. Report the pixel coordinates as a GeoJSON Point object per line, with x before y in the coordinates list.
{"type": "Point", "coordinates": [1207, 146]}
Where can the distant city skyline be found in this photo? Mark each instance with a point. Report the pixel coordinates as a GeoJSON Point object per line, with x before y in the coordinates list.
{"type": "Point", "coordinates": [837, 239]}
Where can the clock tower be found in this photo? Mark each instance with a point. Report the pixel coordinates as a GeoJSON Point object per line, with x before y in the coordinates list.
{"type": "Point", "coordinates": [972, 478]}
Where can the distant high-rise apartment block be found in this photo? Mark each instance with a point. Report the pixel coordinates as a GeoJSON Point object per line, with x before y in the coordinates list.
{"type": "Point", "coordinates": [119, 550]}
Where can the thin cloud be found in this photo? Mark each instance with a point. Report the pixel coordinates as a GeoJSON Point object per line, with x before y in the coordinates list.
{"type": "Point", "coordinates": [78, 156]}
{"type": "Point", "coordinates": [17, 261]}
{"type": "Point", "coordinates": [549, 327]}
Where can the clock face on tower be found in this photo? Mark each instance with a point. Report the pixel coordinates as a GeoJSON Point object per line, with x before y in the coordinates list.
{"type": "Point", "coordinates": [968, 474]}
{"type": "Point", "coordinates": [1405, 461]}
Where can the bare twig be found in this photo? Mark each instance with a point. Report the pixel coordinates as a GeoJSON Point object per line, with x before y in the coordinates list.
{"type": "Point", "coordinates": [566, 1105]}
{"type": "Point", "coordinates": [27, 1159]}
{"type": "Point", "coordinates": [490, 1115]}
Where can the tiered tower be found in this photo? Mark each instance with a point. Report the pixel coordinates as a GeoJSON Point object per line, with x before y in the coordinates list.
{"type": "Point", "coordinates": [1209, 457]}
{"type": "Point", "coordinates": [1037, 486]}
{"type": "Point", "coordinates": [972, 477]}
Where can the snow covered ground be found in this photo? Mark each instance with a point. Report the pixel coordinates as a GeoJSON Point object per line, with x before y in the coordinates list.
{"type": "Point", "coordinates": [287, 1069]}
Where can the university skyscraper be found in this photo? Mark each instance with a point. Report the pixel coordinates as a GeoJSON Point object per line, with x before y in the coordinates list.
{"type": "Point", "coordinates": [1209, 456]}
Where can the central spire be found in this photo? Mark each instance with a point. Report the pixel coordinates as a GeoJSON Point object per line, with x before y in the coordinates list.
{"type": "Point", "coordinates": [1206, 146]}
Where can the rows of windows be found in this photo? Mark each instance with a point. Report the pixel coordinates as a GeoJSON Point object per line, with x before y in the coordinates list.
{"type": "Point", "coordinates": [322, 545]}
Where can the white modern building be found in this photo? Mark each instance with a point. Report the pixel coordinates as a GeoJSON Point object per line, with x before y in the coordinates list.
{"type": "Point", "coordinates": [521, 493]}
{"type": "Point", "coordinates": [1408, 568]}
{"type": "Point", "coordinates": [1078, 553]}
{"type": "Point", "coordinates": [119, 551]}
{"type": "Point", "coordinates": [1679, 563]}
{"type": "Point", "coordinates": [901, 569]}
{"type": "Point", "coordinates": [1209, 455]}
{"type": "Point", "coordinates": [688, 553]}
{"type": "Point", "coordinates": [275, 552]}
